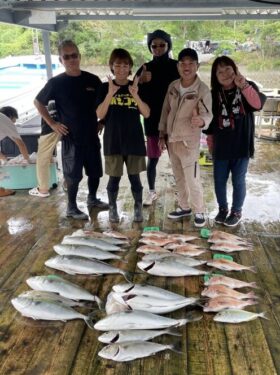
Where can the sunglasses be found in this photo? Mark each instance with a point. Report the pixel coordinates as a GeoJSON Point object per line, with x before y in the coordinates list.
{"type": "Point", "coordinates": [71, 56]}
{"type": "Point", "coordinates": [155, 46]}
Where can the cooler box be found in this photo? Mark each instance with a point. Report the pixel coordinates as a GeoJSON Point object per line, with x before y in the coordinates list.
{"type": "Point", "coordinates": [24, 177]}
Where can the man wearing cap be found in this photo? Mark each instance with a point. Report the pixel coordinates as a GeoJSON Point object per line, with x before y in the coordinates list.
{"type": "Point", "coordinates": [186, 111]}
{"type": "Point", "coordinates": [154, 78]}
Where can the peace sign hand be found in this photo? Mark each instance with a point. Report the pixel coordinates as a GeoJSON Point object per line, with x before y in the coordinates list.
{"type": "Point", "coordinates": [133, 89]}
{"type": "Point", "coordinates": [240, 80]}
{"type": "Point", "coordinates": [112, 87]}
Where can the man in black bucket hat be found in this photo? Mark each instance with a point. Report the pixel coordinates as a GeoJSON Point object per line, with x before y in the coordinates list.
{"type": "Point", "coordinates": [154, 78]}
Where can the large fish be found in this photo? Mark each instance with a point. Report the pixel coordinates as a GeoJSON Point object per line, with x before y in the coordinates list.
{"type": "Point", "coordinates": [223, 303]}
{"type": "Point", "coordinates": [56, 284]}
{"type": "Point", "coordinates": [129, 351]}
{"type": "Point", "coordinates": [151, 249]}
{"type": "Point", "coordinates": [228, 247]}
{"type": "Point", "coordinates": [223, 290]}
{"type": "Point", "coordinates": [237, 316]}
{"type": "Point", "coordinates": [229, 265]}
{"type": "Point", "coordinates": [96, 235]}
{"type": "Point", "coordinates": [188, 261]}
{"type": "Point", "coordinates": [230, 282]}
{"type": "Point", "coordinates": [168, 267]}
{"type": "Point", "coordinates": [152, 304]}
{"type": "Point", "coordinates": [145, 289]}
{"type": "Point", "coordinates": [134, 335]}
{"type": "Point", "coordinates": [87, 241]}
{"type": "Point", "coordinates": [84, 251]}
{"type": "Point", "coordinates": [50, 296]}
{"type": "Point", "coordinates": [47, 310]}
{"type": "Point", "coordinates": [78, 265]}
{"type": "Point", "coordinates": [141, 320]}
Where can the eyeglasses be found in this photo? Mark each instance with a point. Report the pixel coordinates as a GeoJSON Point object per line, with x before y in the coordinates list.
{"type": "Point", "coordinates": [155, 46]}
{"type": "Point", "coordinates": [71, 56]}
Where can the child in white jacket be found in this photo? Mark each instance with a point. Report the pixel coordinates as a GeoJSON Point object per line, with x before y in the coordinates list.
{"type": "Point", "coordinates": [187, 110]}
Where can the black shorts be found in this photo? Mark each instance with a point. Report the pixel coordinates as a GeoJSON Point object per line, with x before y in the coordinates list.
{"type": "Point", "coordinates": [76, 157]}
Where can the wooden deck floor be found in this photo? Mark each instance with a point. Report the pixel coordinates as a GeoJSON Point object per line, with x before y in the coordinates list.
{"type": "Point", "coordinates": [29, 227]}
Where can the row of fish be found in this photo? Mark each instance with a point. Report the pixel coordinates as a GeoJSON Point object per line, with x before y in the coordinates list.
{"type": "Point", "coordinates": [132, 319]}
{"type": "Point", "coordinates": [53, 297]}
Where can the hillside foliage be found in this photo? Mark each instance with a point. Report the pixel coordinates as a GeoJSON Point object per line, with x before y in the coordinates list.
{"type": "Point", "coordinates": [96, 39]}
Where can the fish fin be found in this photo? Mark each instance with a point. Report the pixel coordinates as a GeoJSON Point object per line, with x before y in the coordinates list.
{"type": "Point", "coordinates": [253, 284]}
{"type": "Point", "coordinates": [172, 332]}
{"type": "Point", "coordinates": [262, 315]}
{"type": "Point", "coordinates": [129, 276]}
{"type": "Point", "coordinates": [253, 269]}
{"type": "Point", "coordinates": [89, 322]}
{"type": "Point", "coordinates": [252, 295]}
{"type": "Point", "coordinates": [193, 316]}
{"type": "Point", "coordinates": [177, 348]}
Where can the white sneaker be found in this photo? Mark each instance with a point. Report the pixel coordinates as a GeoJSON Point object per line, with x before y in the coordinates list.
{"type": "Point", "coordinates": [151, 196]}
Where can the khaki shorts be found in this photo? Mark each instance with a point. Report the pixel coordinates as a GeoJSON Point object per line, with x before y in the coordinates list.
{"type": "Point", "coordinates": [114, 164]}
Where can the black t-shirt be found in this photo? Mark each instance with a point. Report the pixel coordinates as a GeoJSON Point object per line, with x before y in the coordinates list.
{"type": "Point", "coordinates": [75, 99]}
{"type": "Point", "coordinates": [46, 129]}
{"type": "Point", "coordinates": [237, 142]}
{"type": "Point", "coordinates": [123, 132]}
{"type": "Point", "coordinates": [164, 71]}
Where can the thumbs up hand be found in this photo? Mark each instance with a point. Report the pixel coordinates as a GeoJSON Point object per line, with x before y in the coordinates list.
{"type": "Point", "coordinates": [196, 120]}
{"type": "Point", "coordinates": [145, 75]}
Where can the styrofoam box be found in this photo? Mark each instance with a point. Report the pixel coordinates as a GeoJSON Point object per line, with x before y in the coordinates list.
{"type": "Point", "coordinates": [24, 176]}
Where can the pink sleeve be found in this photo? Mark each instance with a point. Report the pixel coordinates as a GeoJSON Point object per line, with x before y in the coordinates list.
{"type": "Point", "coordinates": [252, 97]}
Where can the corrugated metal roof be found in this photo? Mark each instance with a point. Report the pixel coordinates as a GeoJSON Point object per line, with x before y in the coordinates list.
{"type": "Point", "coordinates": [54, 14]}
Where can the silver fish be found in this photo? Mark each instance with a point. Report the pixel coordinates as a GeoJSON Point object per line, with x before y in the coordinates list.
{"type": "Point", "coordinates": [96, 235]}
{"type": "Point", "coordinates": [84, 251]}
{"type": "Point", "coordinates": [129, 351]}
{"type": "Point", "coordinates": [56, 284]}
{"type": "Point", "coordinates": [50, 296]}
{"type": "Point", "coordinates": [78, 265]}
{"type": "Point", "coordinates": [145, 289]}
{"type": "Point", "coordinates": [141, 320]}
{"type": "Point", "coordinates": [230, 282]}
{"type": "Point", "coordinates": [237, 316]}
{"type": "Point", "coordinates": [152, 304]}
{"type": "Point", "coordinates": [134, 335]}
{"type": "Point", "coordinates": [47, 310]}
{"type": "Point", "coordinates": [191, 262]}
{"type": "Point", "coordinates": [168, 267]}
{"type": "Point", "coordinates": [95, 242]}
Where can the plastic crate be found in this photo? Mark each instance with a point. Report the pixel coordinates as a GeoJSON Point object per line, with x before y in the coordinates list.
{"type": "Point", "coordinates": [24, 177]}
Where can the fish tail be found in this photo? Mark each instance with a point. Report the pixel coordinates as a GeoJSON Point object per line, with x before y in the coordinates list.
{"type": "Point", "coordinates": [89, 322]}
{"type": "Point", "coordinates": [254, 285]}
{"type": "Point", "coordinates": [172, 332]}
{"type": "Point", "coordinates": [262, 315]}
{"type": "Point", "coordinates": [177, 348]}
{"type": "Point", "coordinates": [99, 302]}
{"type": "Point", "coordinates": [253, 269]}
{"type": "Point", "coordinates": [128, 276]}
{"type": "Point", "coordinates": [252, 295]}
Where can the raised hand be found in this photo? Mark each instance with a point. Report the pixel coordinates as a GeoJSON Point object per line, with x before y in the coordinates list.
{"type": "Point", "coordinates": [240, 80]}
{"type": "Point", "coordinates": [145, 75]}
{"type": "Point", "coordinates": [133, 89]}
{"type": "Point", "coordinates": [112, 87]}
{"type": "Point", "coordinates": [196, 120]}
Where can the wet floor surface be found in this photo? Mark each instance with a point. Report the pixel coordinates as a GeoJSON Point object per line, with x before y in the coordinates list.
{"type": "Point", "coordinates": [30, 226]}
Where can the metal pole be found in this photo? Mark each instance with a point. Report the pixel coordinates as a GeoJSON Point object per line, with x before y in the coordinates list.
{"type": "Point", "coordinates": [47, 49]}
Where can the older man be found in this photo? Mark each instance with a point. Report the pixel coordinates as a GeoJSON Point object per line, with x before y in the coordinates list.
{"type": "Point", "coordinates": [74, 93]}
